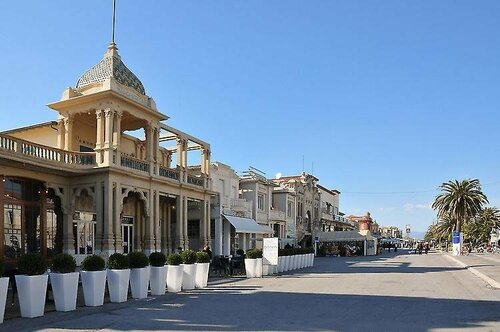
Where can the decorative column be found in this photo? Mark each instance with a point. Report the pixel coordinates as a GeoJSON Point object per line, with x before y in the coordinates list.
{"type": "Point", "coordinates": [109, 115]}
{"type": "Point", "coordinates": [107, 221]}
{"type": "Point", "coordinates": [185, 222]}
{"type": "Point", "coordinates": [68, 128]}
{"type": "Point", "coordinates": [149, 219]}
{"type": "Point", "coordinates": [208, 238]}
{"type": "Point", "coordinates": [67, 214]}
{"type": "Point", "coordinates": [179, 222]}
{"type": "Point", "coordinates": [99, 137]}
{"type": "Point", "coordinates": [117, 133]}
{"type": "Point", "coordinates": [117, 217]}
{"type": "Point", "coordinates": [60, 134]}
{"type": "Point", "coordinates": [157, 221]}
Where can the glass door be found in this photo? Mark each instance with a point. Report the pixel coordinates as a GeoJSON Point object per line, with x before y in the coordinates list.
{"type": "Point", "coordinates": [128, 234]}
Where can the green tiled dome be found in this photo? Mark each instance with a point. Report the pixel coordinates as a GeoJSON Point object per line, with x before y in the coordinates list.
{"type": "Point", "coordinates": [111, 66]}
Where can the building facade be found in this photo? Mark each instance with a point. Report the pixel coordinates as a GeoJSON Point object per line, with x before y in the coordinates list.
{"type": "Point", "coordinates": [87, 183]}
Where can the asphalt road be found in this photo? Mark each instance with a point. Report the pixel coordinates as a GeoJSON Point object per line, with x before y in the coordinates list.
{"type": "Point", "coordinates": [391, 292]}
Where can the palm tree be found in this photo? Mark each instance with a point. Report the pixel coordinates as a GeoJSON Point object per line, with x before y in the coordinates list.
{"type": "Point", "coordinates": [459, 200]}
{"type": "Point", "coordinates": [479, 228]}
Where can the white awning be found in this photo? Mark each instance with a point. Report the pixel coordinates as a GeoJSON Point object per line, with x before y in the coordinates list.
{"type": "Point", "coordinates": [247, 225]}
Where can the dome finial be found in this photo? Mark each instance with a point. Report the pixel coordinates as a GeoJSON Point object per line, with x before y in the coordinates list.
{"type": "Point", "coordinates": [113, 23]}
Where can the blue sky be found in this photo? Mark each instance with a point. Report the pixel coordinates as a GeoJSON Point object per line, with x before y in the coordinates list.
{"type": "Point", "coordinates": [381, 100]}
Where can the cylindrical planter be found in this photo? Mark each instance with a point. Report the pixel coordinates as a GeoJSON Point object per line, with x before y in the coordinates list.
{"type": "Point", "coordinates": [265, 269]}
{"type": "Point", "coordinates": [281, 264]}
{"type": "Point", "coordinates": [31, 291]}
{"type": "Point", "coordinates": [174, 278]}
{"type": "Point", "coordinates": [250, 267]}
{"type": "Point", "coordinates": [311, 261]}
{"type": "Point", "coordinates": [258, 268]}
{"type": "Point", "coordinates": [4, 285]}
{"type": "Point", "coordinates": [93, 283]}
{"type": "Point", "coordinates": [118, 285]}
{"type": "Point", "coordinates": [189, 276]}
{"type": "Point", "coordinates": [302, 261]}
{"type": "Point", "coordinates": [288, 263]}
{"type": "Point", "coordinates": [139, 282]}
{"type": "Point", "coordinates": [64, 288]}
{"type": "Point", "coordinates": [158, 280]}
{"type": "Point", "coordinates": [202, 275]}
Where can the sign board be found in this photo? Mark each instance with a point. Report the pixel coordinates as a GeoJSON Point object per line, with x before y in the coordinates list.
{"type": "Point", "coordinates": [408, 229]}
{"type": "Point", "coordinates": [270, 251]}
{"type": "Point", "coordinates": [316, 239]}
{"type": "Point", "coordinates": [457, 243]}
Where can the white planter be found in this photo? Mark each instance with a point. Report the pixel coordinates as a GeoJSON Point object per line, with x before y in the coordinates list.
{"type": "Point", "coordinates": [189, 276]}
{"type": "Point", "coordinates": [174, 278]}
{"type": "Point", "coordinates": [31, 291]}
{"type": "Point", "coordinates": [118, 285]}
{"type": "Point", "coordinates": [281, 264]}
{"type": "Point", "coordinates": [311, 262]}
{"type": "Point", "coordinates": [288, 263]}
{"type": "Point", "coordinates": [303, 261]}
{"type": "Point", "coordinates": [295, 262]}
{"type": "Point", "coordinates": [4, 285]}
{"type": "Point", "coordinates": [139, 282]}
{"type": "Point", "coordinates": [250, 267]}
{"type": "Point", "coordinates": [64, 288]}
{"type": "Point", "coordinates": [158, 280]}
{"type": "Point", "coordinates": [258, 268]}
{"type": "Point", "coordinates": [266, 269]}
{"type": "Point", "coordinates": [202, 274]}
{"type": "Point", "coordinates": [93, 283]}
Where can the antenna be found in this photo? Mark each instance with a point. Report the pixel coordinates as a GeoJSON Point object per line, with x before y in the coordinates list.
{"type": "Point", "coordinates": [302, 163]}
{"type": "Point", "coordinates": [312, 168]}
{"type": "Point", "coordinates": [113, 22]}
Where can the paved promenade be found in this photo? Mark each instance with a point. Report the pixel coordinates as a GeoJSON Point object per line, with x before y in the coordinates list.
{"type": "Point", "coordinates": [391, 292]}
{"type": "Point", "coordinates": [485, 266]}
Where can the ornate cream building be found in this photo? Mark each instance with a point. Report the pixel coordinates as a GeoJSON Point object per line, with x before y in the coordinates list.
{"type": "Point", "coordinates": [107, 176]}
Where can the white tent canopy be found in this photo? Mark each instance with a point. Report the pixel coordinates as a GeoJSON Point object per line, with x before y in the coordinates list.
{"type": "Point", "coordinates": [247, 225]}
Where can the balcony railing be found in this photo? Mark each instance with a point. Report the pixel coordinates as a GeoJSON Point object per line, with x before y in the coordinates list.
{"type": "Point", "coordinates": [195, 180]}
{"type": "Point", "coordinates": [277, 215]}
{"type": "Point", "coordinates": [42, 152]}
{"type": "Point", "coordinates": [169, 173]}
{"type": "Point", "coordinates": [239, 204]}
{"type": "Point", "coordinates": [133, 163]}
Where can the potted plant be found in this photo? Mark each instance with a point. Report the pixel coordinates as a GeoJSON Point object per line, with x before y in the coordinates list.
{"type": "Point", "coordinates": [189, 269]}
{"type": "Point", "coordinates": [158, 279]}
{"type": "Point", "coordinates": [118, 277]}
{"type": "Point", "coordinates": [32, 285]}
{"type": "Point", "coordinates": [93, 280]}
{"type": "Point", "coordinates": [64, 281]}
{"type": "Point", "coordinates": [4, 285]}
{"type": "Point", "coordinates": [258, 265]}
{"type": "Point", "coordinates": [251, 263]}
{"type": "Point", "coordinates": [202, 268]}
{"type": "Point", "coordinates": [139, 274]}
{"type": "Point", "coordinates": [174, 273]}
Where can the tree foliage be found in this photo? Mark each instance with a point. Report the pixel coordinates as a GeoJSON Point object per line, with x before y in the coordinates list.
{"type": "Point", "coordinates": [460, 200]}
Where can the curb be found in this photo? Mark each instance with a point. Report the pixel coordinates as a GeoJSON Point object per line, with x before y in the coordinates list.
{"type": "Point", "coordinates": [493, 283]}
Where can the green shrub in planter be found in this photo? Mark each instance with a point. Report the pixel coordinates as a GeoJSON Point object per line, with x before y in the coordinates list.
{"type": "Point", "coordinates": [93, 263]}
{"type": "Point", "coordinates": [157, 259]}
{"type": "Point", "coordinates": [174, 259]}
{"type": "Point", "coordinates": [251, 254]}
{"type": "Point", "coordinates": [31, 264]}
{"type": "Point", "coordinates": [202, 257]}
{"type": "Point", "coordinates": [137, 260]}
{"type": "Point", "coordinates": [188, 257]}
{"type": "Point", "coordinates": [240, 252]}
{"type": "Point", "coordinates": [63, 263]}
{"type": "Point", "coordinates": [118, 261]}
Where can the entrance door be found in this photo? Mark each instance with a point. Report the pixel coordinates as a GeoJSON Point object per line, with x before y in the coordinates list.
{"type": "Point", "coordinates": [128, 234]}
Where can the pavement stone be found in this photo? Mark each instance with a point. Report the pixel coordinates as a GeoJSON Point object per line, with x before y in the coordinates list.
{"type": "Point", "coordinates": [485, 266]}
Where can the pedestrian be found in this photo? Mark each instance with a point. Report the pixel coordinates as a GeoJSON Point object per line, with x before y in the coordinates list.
{"type": "Point", "coordinates": [208, 251]}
